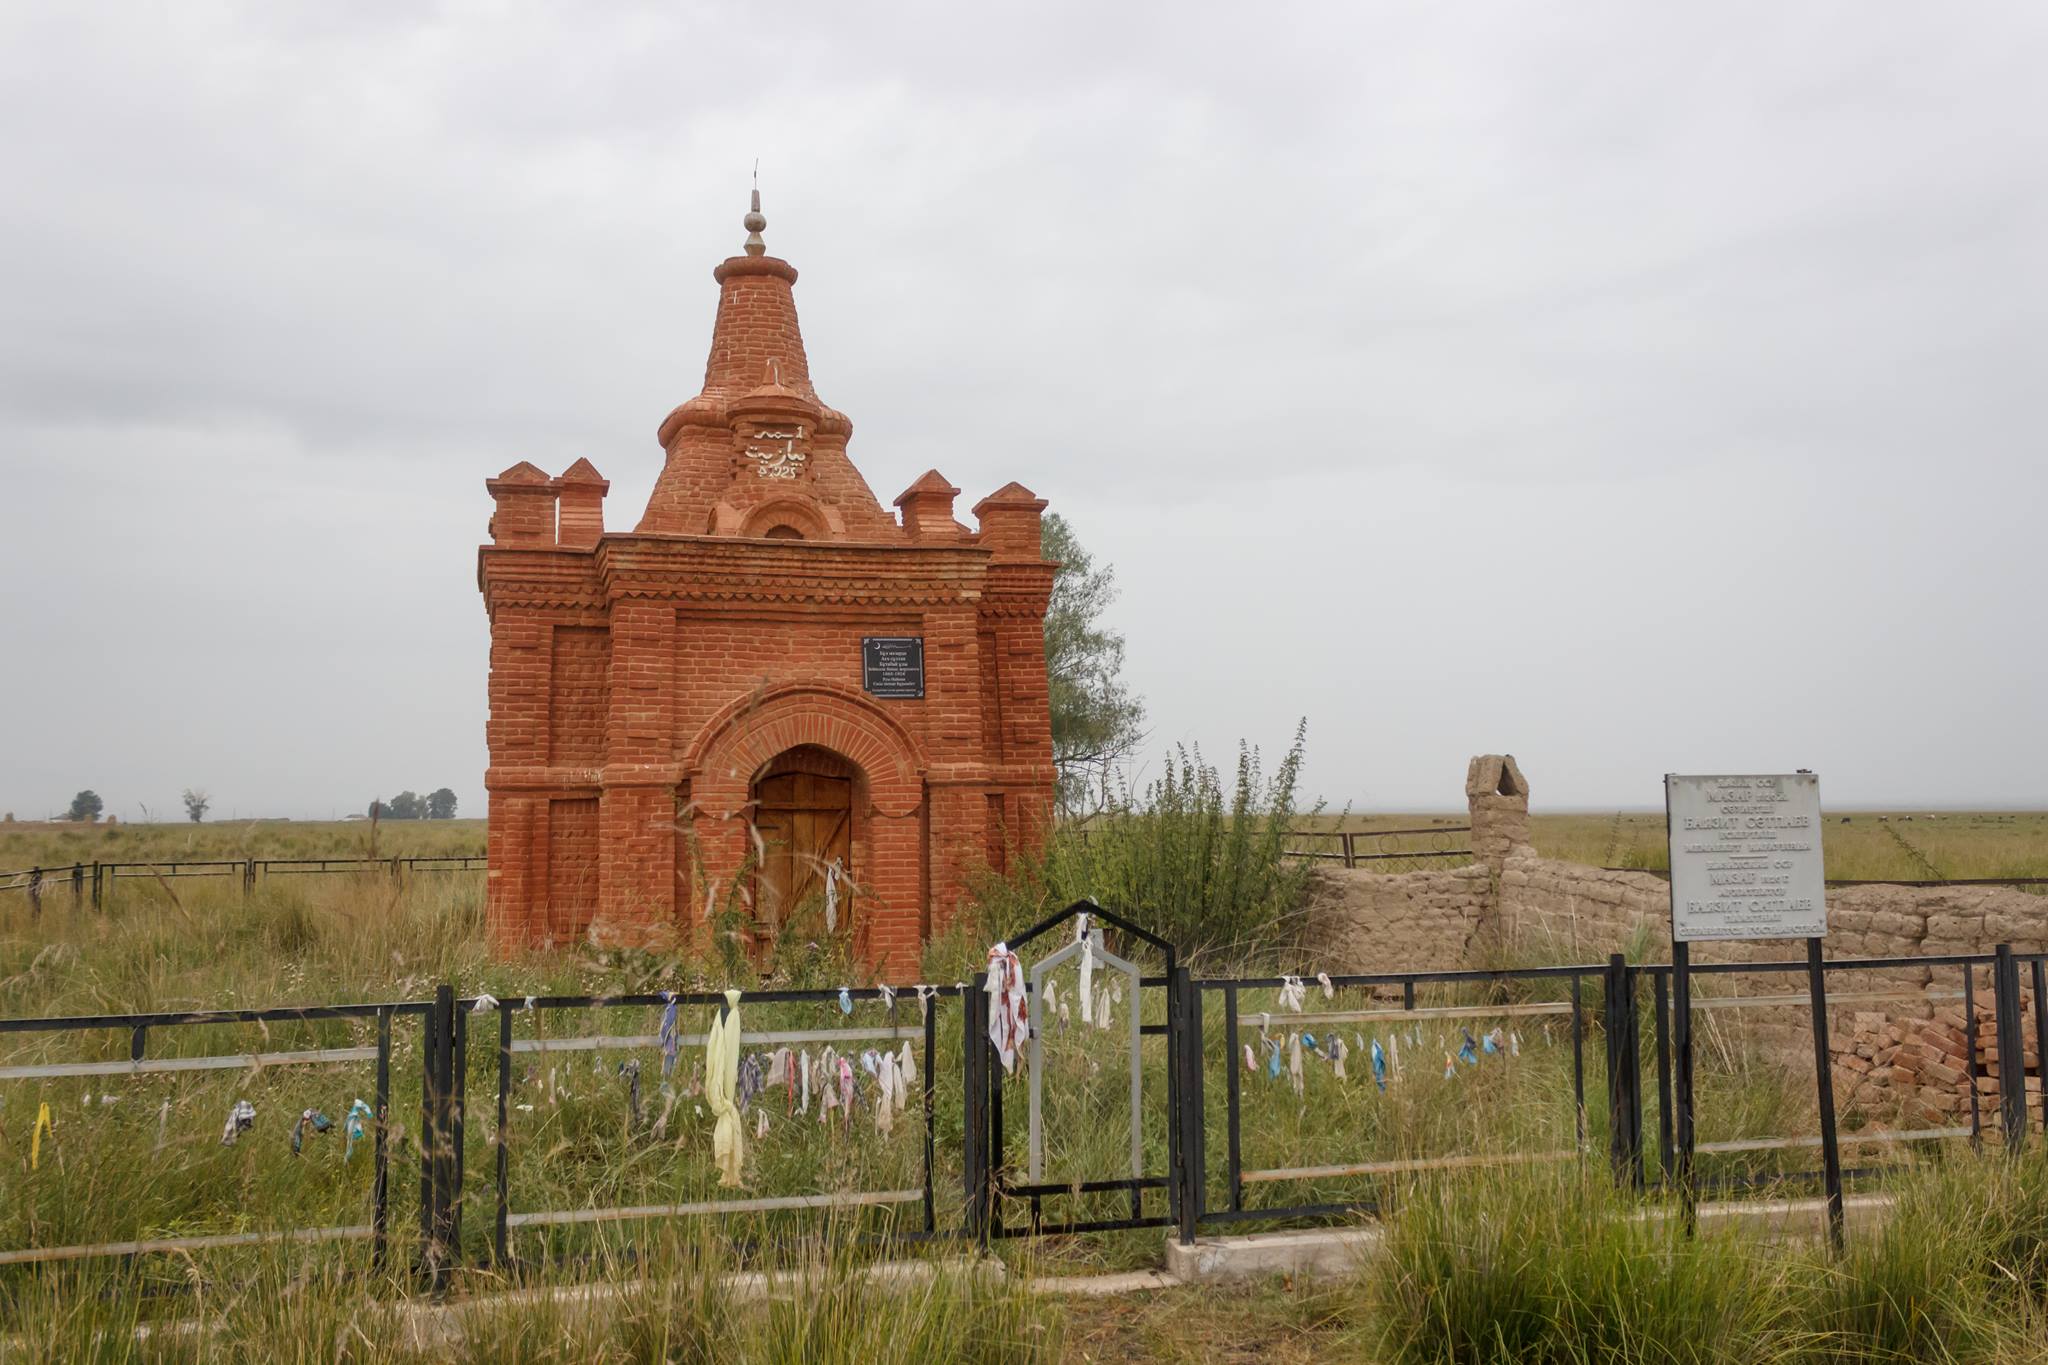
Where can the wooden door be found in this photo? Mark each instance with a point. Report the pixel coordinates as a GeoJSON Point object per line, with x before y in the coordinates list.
{"type": "Point", "coordinates": [804, 812]}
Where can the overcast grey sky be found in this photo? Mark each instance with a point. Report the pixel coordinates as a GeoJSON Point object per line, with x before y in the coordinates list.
{"type": "Point", "coordinates": [1634, 387]}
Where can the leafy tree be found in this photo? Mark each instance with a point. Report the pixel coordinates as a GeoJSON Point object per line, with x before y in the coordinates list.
{"type": "Point", "coordinates": [86, 806]}
{"type": "Point", "coordinates": [377, 809]}
{"type": "Point", "coordinates": [407, 805]}
{"type": "Point", "coordinates": [1096, 720]}
{"type": "Point", "coordinates": [441, 804]}
{"type": "Point", "coordinates": [196, 802]}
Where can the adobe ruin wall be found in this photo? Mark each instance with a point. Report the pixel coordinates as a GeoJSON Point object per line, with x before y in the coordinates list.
{"type": "Point", "coordinates": [1907, 1059]}
{"type": "Point", "coordinates": [1512, 906]}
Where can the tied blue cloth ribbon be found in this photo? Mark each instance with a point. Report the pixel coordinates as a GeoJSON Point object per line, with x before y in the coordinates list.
{"type": "Point", "coordinates": [1308, 1040]}
{"type": "Point", "coordinates": [671, 1035]}
{"type": "Point", "coordinates": [1468, 1051]}
{"type": "Point", "coordinates": [845, 1001]}
{"type": "Point", "coordinates": [313, 1119]}
{"type": "Point", "coordinates": [1272, 1060]}
{"type": "Point", "coordinates": [354, 1126]}
{"type": "Point", "coordinates": [1379, 1065]}
{"type": "Point", "coordinates": [1487, 1045]}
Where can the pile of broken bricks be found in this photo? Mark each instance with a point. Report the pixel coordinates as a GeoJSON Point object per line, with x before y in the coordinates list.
{"type": "Point", "coordinates": [1917, 1070]}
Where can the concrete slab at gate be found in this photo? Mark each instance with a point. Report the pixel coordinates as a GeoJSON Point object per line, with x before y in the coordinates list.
{"type": "Point", "coordinates": [1320, 1252]}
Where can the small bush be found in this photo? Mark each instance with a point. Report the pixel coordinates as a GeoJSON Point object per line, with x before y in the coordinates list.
{"type": "Point", "coordinates": [1197, 863]}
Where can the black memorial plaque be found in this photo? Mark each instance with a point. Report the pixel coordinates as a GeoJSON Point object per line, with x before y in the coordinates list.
{"type": "Point", "coordinates": [892, 666]}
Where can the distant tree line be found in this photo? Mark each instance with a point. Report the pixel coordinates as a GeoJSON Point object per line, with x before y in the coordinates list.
{"type": "Point", "coordinates": [407, 805]}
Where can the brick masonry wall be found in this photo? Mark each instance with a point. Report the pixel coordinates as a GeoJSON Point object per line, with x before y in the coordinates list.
{"type": "Point", "coordinates": [639, 683]}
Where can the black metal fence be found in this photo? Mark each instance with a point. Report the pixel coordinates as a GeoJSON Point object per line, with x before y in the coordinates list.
{"type": "Point", "coordinates": [1379, 1011]}
{"type": "Point", "coordinates": [1176, 1024]}
{"type": "Point", "coordinates": [912, 1016]}
{"type": "Point", "coordinates": [141, 1027]}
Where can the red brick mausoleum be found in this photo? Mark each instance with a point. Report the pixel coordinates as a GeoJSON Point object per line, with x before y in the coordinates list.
{"type": "Point", "coordinates": [769, 677]}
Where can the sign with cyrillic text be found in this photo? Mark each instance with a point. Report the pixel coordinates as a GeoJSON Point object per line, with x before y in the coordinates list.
{"type": "Point", "coordinates": [1745, 857]}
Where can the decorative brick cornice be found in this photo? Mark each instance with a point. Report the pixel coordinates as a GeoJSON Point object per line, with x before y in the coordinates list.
{"type": "Point", "coordinates": [517, 576]}
{"type": "Point", "coordinates": [713, 568]}
{"type": "Point", "coordinates": [562, 781]}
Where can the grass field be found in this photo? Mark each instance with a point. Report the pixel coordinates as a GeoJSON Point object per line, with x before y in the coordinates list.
{"type": "Point", "coordinates": [141, 1156]}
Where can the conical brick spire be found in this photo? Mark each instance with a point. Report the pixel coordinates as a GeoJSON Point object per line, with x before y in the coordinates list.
{"type": "Point", "coordinates": [717, 469]}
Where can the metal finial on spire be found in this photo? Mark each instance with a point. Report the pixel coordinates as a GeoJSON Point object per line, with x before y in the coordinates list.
{"type": "Point", "coordinates": [754, 221]}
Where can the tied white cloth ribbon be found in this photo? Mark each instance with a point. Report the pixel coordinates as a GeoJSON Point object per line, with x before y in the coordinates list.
{"type": "Point", "coordinates": [1323, 980]}
{"type": "Point", "coordinates": [1294, 1076]}
{"type": "Point", "coordinates": [241, 1118]}
{"type": "Point", "coordinates": [827, 1071]}
{"type": "Point", "coordinates": [1009, 1019]}
{"type": "Point", "coordinates": [925, 996]}
{"type": "Point", "coordinates": [1292, 993]}
{"type": "Point", "coordinates": [888, 995]}
{"type": "Point", "coordinates": [485, 1003]}
{"type": "Point", "coordinates": [885, 1111]}
{"type": "Point", "coordinates": [721, 1076]}
{"type": "Point", "coordinates": [1087, 967]}
{"type": "Point", "coordinates": [832, 875]}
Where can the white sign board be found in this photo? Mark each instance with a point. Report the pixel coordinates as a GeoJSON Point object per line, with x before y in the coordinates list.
{"type": "Point", "coordinates": [1745, 857]}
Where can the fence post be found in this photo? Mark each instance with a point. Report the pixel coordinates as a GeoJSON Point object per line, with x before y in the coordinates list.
{"type": "Point", "coordinates": [77, 885]}
{"type": "Point", "coordinates": [380, 1179]}
{"type": "Point", "coordinates": [1681, 1084]}
{"type": "Point", "coordinates": [458, 1147]}
{"type": "Point", "coordinates": [1184, 1017]}
{"type": "Point", "coordinates": [1824, 1081]}
{"type": "Point", "coordinates": [429, 1050]}
{"type": "Point", "coordinates": [974, 1083]}
{"type": "Point", "coordinates": [1624, 1070]}
{"type": "Point", "coordinates": [2012, 1062]}
{"type": "Point", "coordinates": [35, 891]}
{"type": "Point", "coordinates": [437, 1160]}
{"type": "Point", "coordinates": [2040, 976]}
{"type": "Point", "coordinates": [248, 878]}
{"type": "Point", "coordinates": [501, 1241]}
{"type": "Point", "coordinates": [95, 885]}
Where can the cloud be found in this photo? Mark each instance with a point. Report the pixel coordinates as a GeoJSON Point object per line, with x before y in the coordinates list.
{"type": "Point", "coordinates": [1421, 368]}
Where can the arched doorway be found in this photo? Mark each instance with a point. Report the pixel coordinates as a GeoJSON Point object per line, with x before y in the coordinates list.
{"type": "Point", "coordinates": [803, 810]}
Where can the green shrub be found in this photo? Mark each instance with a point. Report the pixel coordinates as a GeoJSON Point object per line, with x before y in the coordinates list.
{"type": "Point", "coordinates": [1197, 863]}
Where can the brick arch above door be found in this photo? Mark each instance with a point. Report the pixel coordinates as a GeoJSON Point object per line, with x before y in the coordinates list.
{"type": "Point", "coordinates": [735, 744]}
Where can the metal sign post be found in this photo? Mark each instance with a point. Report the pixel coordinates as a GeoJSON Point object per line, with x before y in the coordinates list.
{"type": "Point", "coordinates": [1746, 864]}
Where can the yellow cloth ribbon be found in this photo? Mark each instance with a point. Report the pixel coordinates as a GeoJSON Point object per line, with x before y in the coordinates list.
{"type": "Point", "coordinates": [721, 1078]}
{"type": "Point", "coordinates": [35, 1141]}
